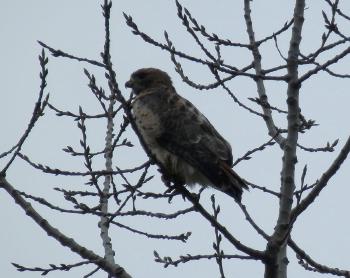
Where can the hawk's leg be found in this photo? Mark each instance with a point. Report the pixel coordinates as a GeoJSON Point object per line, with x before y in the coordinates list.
{"type": "Point", "coordinates": [172, 182]}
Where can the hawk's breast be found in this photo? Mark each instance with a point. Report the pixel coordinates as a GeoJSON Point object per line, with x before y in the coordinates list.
{"type": "Point", "coordinates": [149, 125]}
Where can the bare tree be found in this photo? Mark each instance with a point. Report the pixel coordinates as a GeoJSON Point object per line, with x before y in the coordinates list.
{"type": "Point", "coordinates": [110, 201]}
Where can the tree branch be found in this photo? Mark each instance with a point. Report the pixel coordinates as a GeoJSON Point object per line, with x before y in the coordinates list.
{"type": "Point", "coordinates": [113, 269]}
{"type": "Point", "coordinates": [104, 222]}
{"type": "Point", "coordinates": [302, 256]}
{"type": "Point", "coordinates": [273, 130]}
{"type": "Point", "coordinates": [276, 248]}
{"type": "Point", "coordinates": [323, 181]}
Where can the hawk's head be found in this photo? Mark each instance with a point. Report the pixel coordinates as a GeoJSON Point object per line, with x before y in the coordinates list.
{"type": "Point", "coordinates": [148, 78]}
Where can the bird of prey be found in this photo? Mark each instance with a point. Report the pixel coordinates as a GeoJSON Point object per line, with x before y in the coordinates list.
{"type": "Point", "coordinates": [179, 136]}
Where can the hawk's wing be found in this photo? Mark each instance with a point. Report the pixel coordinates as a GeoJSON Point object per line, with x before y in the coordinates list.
{"type": "Point", "coordinates": [188, 134]}
{"type": "Point", "coordinates": [188, 129]}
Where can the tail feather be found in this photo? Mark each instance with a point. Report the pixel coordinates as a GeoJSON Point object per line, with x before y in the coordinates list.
{"type": "Point", "coordinates": [233, 184]}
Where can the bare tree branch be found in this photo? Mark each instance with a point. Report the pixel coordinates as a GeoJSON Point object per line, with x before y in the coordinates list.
{"type": "Point", "coordinates": [166, 261]}
{"type": "Point", "coordinates": [325, 65]}
{"type": "Point", "coordinates": [273, 130]}
{"type": "Point", "coordinates": [60, 53]}
{"type": "Point", "coordinates": [258, 255]}
{"type": "Point", "coordinates": [112, 269]}
{"type": "Point", "coordinates": [323, 181]}
{"type": "Point", "coordinates": [37, 112]}
{"type": "Point", "coordinates": [306, 261]}
{"type": "Point", "coordinates": [104, 222]}
{"type": "Point", "coordinates": [53, 267]}
{"type": "Point", "coordinates": [276, 246]}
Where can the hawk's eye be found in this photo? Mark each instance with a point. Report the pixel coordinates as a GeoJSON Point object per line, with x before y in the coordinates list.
{"type": "Point", "coordinates": [141, 75]}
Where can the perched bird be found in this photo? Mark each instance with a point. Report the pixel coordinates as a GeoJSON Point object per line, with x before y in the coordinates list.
{"type": "Point", "coordinates": [179, 136]}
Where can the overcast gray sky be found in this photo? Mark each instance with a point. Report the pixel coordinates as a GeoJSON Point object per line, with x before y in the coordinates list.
{"type": "Point", "coordinates": [77, 27]}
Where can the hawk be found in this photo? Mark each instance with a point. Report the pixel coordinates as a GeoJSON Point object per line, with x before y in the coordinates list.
{"type": "Point", "coordinates": [179, 136]}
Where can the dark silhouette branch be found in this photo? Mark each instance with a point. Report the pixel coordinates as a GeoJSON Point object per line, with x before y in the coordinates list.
{"type": "Point", "coordinates": [323, 181]}
{"type": "Point", "coordinates": [113, 269]}
{"type": "Point", "coordinates": [310, 264]}
{"type": "Point", "coordinates": [39, 108]}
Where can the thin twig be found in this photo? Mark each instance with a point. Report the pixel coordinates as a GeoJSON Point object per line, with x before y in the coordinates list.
{"type": "Point", "coordinates": [37, 112]}
{"type": "Point", "coordinates": [60, 53]}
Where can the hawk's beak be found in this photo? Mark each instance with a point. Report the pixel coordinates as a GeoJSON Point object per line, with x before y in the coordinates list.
{"type": "Point", "coordinates": [129, 84]}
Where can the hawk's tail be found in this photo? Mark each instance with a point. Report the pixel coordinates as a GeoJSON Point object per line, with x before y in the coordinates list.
{"type": "Point", "coordinates": [233, 185]}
